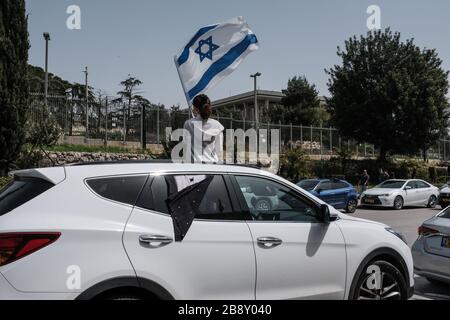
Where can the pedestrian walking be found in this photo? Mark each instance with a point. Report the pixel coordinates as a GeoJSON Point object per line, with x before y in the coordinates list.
{"type": "Point", "coordinates": [365, 178]}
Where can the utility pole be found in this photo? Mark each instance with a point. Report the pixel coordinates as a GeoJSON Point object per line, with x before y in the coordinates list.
{"type": "Point", "coordinates": [255, 93]}
{"type": "Point", "coordinates": [47, 38]}
{"type": "Point", "coordinates": [87, 102]}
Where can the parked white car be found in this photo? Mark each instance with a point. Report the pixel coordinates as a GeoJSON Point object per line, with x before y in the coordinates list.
{"type": "Point", "coordinates": [186, 231]}
{"type": "Point", "coordinates": [399, 193]}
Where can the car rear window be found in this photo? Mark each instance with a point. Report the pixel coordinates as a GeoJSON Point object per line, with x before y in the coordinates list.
{"type": "Point", "coordinates": [124, 189]}
{"type": "Point", "coordinates": [20, 191]}
{"type": "Point", "coordinates": [308, 185]}
{"type": "Point", "coordinates": [445, 214]}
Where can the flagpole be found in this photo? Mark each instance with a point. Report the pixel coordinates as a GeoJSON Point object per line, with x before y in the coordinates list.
{"type": "Point", "coordinates": [182, 85]}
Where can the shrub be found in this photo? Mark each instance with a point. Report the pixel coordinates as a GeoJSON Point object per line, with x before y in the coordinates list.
{"type": "Point", "coordinates": [294, 165]}
{"type": "Point", "coordinates": [4, 181]}
{"type": "Point", "coordinates": [432, 173]}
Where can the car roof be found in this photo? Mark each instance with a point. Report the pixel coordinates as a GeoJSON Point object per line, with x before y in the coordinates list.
{"type": "Point", "coordinates": [139, 167]}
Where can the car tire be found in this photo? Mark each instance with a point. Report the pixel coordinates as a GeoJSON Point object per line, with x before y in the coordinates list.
{"type": "Point", "coordinates": [398, 203]}
{"type": "Point", "coordinates": [432, 202]}
{"type": "Point", "coordinates": [391, 285]}
{"type": "Point", "coordinates": [351, 206]}
{"type": "Point", "coordinates": [124, 297]}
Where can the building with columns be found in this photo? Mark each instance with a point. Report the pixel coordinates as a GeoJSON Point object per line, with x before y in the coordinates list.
{"type": "Point", "coordinates": [244, 104]}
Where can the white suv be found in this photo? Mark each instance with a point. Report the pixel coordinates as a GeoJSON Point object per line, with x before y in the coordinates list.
{"type": "Point", "coordinates": [186, 231]}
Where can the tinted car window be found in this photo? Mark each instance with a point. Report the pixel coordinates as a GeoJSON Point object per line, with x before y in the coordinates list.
{"type": "Point", "coordinates": [412, 184]}
{"type": "Point", "coordinates": [422, 185]}
{"type": "Point", "coordinates": [202, 196]}
{"type": "Point", "coordinates": [339, 185]}
{"type": "Point", "coordinates": [308, 184]}
{"type": "Point", "coordinates": [392, 184]}
{"type": "Point", "coordinates": [325, 186]}
{"type": "Point", "coordinates": [20, 191]}
{"type": "Point", "coordinates": [270, 201]}
{"type": "Point", "coordinates": [124, 189]}
{"type": "Point", "coordinates": [445, 214]}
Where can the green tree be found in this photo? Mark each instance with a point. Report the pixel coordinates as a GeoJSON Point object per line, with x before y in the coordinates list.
{"type": "Point", "coordinates": [13, 80]}
{"type": "Point", "coordinates": [389, 93]}
{"type": "Point", "coordinates": [300, 105]}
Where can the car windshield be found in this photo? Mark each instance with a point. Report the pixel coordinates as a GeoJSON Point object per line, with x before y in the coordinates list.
{"type": "Point", "coordinates": [391, 184]}
{"type": "Point", "coordinates": [308, 185]}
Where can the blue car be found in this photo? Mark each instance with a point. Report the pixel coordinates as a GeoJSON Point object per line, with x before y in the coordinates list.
{"type": "Point", "coordinates": [338, 193]}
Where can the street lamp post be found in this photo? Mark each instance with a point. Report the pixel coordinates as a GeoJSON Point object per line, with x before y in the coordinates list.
{"type": "Point", "coordinates": [255, 93]}
{"type": "Point", "coordinates": [47, 38]}
{"type": "Point", "coordinates": [87, 102]}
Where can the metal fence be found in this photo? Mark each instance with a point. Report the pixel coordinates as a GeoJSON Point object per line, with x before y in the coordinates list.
{"type": "Point", "coordinates": [111, 120]}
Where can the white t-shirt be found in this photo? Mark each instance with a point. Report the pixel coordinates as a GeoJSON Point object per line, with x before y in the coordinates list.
{"type": "Point", "coordinates": [205, 139]}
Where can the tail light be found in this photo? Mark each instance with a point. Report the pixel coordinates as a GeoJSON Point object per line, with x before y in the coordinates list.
{"type": "Point", "coordinates": [14, 246]}
{"type": "Point", "coordinates": [425, 231]}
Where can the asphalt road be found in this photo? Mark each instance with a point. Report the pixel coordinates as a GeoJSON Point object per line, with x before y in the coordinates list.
{"type": "Point", "coordinates": [407, 221]}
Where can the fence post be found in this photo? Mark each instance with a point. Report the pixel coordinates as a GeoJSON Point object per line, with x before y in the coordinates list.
{"type": "Point", "coordinates": [301, 136]}
{"type": "Point", "coordinates": [331, 141]}
{"type": "Point", "coordinates": [292, 142]}
{"type": "Point", "coordinates": [231, 120]}
{"type": "Point", "coordinates": [157, 126]}
{"type": "Point", "coordinates": [321, 141]}
{"type": "Point", "coordinates": [143, 128]}
{"type": "Point", "coordinates": [106, 122]}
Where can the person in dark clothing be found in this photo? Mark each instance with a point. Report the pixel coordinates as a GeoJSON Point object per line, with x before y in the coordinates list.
{"type": "Point", "coordinates": [365, 178]}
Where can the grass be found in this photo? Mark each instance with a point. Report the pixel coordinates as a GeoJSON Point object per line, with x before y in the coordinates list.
{"type": "Point", "coordinates": [94, 149]}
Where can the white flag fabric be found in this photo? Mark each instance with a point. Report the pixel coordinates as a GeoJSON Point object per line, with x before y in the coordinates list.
{"type": "Point", "coordinates": [214, 52]}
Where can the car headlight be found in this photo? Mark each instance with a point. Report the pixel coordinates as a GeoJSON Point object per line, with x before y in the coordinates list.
{"type": "Point", "coordinates": [397, 234]}
{"type": "Point", "coordinates": [385, 195]}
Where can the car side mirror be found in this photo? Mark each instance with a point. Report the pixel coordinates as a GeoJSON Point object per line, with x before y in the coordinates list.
{"type": "Point", "coordinates": [324, 213]}
{"type": "Point", "coordinates": [408, 188]}
{"type": "Point", "coordinates": [319, 191]}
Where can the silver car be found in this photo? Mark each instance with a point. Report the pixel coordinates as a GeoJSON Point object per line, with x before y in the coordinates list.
{"type": "Point", "coordinates": [431, 251]}
{"type": "Point", "coordinates": [399, 193]}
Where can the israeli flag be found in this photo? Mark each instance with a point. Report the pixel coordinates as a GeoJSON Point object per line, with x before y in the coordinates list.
{"type": "Point", "coordinates": [213, 53]}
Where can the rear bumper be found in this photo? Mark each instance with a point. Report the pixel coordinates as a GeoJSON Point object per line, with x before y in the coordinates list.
{"type": "Point", "coordinates": [430, 265]}
{"type": "Point", "coordinates": [8, 292]}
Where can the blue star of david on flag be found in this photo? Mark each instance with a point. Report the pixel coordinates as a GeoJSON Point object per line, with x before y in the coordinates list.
{"type": "Point", "coordinates": [212, 54]}
{"type": "Point", "coordinates": [211, 48]}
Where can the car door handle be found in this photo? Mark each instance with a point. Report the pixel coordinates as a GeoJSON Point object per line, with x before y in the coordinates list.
{"type": "Point", "coordinates": [155, 239]}
{"type": "Point", "coordinates": [269, 242]}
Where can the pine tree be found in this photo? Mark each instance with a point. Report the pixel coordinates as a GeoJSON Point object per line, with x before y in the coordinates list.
{"type": "Point", "coordinates": [13, 79]}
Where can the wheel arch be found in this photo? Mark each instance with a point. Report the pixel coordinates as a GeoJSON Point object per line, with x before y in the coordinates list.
{"type": "Point", "coordinates": [385, 254]}
{"type": "Point", "coordinates": [140, 286]}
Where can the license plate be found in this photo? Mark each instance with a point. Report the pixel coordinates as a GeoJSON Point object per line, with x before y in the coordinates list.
{"type": "Point", "coordinates": [446, 242]}
{"type": "Point", "coordinates": [369, 201]}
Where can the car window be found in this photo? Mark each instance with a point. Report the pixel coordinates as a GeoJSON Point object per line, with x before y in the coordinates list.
{"type": "Point", "coordinates": [198, 196]}
{"type": "Point", "coordinates": [270, 201]}
{"type": "Point", "coordinates": [422, 185]}
{"type": "Point", "coordinates": [124, 189]}
{"type": "Point", "coordinates": [325, 185]}
{"type": "Point", "coordinates": [412, 184]}
{"type": "Point", "coordinates": [445, 214]}
{"type": "Point", "coordinates": [391, 184]}
{"type": "Point", "coordinates": [20, 191]}
{"type": "Point", "coordinates": [339, 185]}
{"type": "Point", "coordinates": [308, 184]}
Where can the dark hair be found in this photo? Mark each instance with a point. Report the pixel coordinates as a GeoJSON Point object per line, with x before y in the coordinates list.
{"type": "Point", "coordinates": [203, 104]}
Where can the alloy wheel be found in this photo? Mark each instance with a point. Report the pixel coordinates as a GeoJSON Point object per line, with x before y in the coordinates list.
{"type": "Point", "coordinates": [389, 289]}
